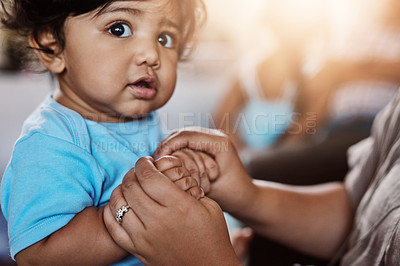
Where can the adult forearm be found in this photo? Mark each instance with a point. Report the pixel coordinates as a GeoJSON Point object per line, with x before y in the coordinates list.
{"type": "Point", "coordinates": [83, 241]}
{"type": "Point", "coordinates": [314, 220]}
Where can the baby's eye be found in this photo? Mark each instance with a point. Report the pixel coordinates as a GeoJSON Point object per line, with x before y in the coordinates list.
{"type": "Point", "coordinates": [120, 30]}
{"type": "Point", "coordinates": [166, 40]}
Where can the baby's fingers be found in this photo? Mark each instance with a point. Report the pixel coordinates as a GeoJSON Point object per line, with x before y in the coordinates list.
{"type": "Point", "coordinates": [201, 166]}
{"type": "Point", "coordinates": [182, 178]}
{"type": "Point", "coordinates": [167, 162]}
{"type": "Point", "coordinates": [189, 163]}
{"type": "Point", "coordinates": [186, 183]}
{"type": "Point", "coordinates": [176, 173]}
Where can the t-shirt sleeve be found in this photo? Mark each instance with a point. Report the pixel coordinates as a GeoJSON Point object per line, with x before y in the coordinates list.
{"type": "Point", "coordinates": [48, 181]}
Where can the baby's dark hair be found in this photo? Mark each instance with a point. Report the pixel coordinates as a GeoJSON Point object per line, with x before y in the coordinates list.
{"type": "Point", "coordinates": [33, 17]}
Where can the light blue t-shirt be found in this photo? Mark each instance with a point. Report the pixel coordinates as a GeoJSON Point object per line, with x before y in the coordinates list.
{"type": "Point", "coordinates": [63, 163]}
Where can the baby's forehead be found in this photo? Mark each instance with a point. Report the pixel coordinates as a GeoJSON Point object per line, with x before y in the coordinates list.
{"type": "Point", "coordinates": [166, 6]}
{"type": "Point", "coordinates": [169, 10]}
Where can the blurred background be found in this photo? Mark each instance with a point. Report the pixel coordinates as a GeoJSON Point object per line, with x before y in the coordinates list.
{"type": "Point", "coordinates": [333, 63]}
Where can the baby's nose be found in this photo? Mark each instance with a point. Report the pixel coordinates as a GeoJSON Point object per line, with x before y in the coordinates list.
{"type": "Point", "coordinates": [147, 53]}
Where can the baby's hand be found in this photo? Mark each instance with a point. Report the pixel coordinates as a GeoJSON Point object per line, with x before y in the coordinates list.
{"type": "Point", "coordinates": [173, 168]}
{"type": "Point", "coordinates": [200, 165]}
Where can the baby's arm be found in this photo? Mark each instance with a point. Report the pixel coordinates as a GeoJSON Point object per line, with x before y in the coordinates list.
{"type": "Point", "coordinates": [83, 241]}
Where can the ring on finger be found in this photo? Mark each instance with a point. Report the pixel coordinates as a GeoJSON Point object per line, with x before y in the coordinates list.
{"type": "Point", "coordinates": [119, 214]}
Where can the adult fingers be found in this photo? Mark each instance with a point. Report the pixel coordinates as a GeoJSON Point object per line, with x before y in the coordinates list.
{"type": "Point", "coordinates": [210, 141]}
{"type": "Point", "coordinates": [116, 229]}
{"type": "Point", "coordinates": [140, 203]}
{"type": "Point", "coordinates": [156, 185]}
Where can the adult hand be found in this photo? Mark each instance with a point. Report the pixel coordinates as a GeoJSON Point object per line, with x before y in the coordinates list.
{"type": "Point", "coordinates": [233, 189]}
{"type": "Point", "coordinates": [165, 225]}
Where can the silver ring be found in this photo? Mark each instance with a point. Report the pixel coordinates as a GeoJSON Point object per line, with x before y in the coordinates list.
{"type": "Point", "coordinates": [120, 213]}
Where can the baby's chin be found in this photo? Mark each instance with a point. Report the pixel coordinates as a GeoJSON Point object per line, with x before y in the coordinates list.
{"type": "Point", "coordinates": [139, 115]}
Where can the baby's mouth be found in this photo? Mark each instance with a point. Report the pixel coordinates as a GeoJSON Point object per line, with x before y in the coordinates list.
{"type": "Point", "coordinates": [144, 88]}
{"type": "Point", "coordinates": [143, 84]}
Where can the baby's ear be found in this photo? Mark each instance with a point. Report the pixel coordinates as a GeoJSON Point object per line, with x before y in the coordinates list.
{"type": "Point", "coordinates": [51, 57]}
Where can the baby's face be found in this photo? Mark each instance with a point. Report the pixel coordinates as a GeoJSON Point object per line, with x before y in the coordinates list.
{"type": "Point", "coordinates": [121, 63]}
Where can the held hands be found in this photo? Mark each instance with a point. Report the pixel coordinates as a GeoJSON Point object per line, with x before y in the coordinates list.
{"type": "Point", "coordinates": [233, 189]}
{"type": "Point", "coordinates": [164, 225]}
{"type": "Point", "coordinates": [188, 169]}
{"type": "Point", "coordinates": [200, 165]}
{"type": "Point", "coordinates": [173, 168]}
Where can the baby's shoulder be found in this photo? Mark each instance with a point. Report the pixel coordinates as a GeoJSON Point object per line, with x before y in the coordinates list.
{"type": "Point", "coordinates": [54, 121]}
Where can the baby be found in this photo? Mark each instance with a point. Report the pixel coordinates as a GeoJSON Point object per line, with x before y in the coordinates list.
{"type": "Point", "coordinates": [116, 63]}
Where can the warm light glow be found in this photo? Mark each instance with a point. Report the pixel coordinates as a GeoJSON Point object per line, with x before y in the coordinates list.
{"type": "Point", "coordinates": [249, 22]}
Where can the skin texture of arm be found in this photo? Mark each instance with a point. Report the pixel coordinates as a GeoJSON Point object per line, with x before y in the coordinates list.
{"type": "Point", "coordinates": [314, 220]}
{"type": "Point", "coordinates": [83, 241]}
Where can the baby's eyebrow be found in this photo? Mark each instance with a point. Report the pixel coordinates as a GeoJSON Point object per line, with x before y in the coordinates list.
{"type": "Point", "coordinates": [135, 12]}
{"type": "Point", "coordinates": [113, 9]}
{"type": "Point", "coordinates": [170, 23]}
